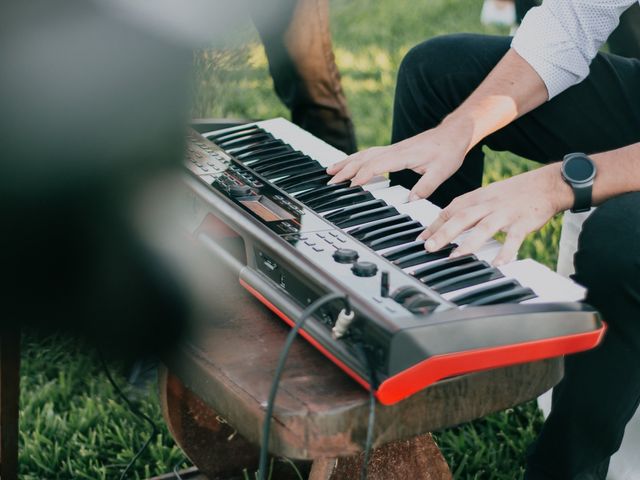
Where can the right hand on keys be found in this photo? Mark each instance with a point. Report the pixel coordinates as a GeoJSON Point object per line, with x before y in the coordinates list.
{"type": "Point", "coordinates": [435, 154]}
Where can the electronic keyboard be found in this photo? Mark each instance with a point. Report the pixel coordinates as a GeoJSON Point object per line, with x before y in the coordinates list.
{"type": "Point", "coordinates": [261, 202]}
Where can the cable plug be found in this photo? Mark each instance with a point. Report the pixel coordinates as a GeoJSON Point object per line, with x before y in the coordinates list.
{"type": "Point", "coordinates": [345, 318]}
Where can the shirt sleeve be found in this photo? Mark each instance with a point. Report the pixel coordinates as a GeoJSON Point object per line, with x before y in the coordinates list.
{"type": "Point", "coordinates": [560, 38]}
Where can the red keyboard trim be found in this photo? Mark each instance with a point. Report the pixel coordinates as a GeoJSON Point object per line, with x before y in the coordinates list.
{"type": "Point", "coordinates": [438, 367]}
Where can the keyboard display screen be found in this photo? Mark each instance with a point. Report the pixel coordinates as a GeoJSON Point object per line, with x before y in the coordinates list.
{"type": "Point", "coordinates": [266, 209]}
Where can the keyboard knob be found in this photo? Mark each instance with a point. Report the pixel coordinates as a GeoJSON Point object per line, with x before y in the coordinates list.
{"type": "Point", "coordinates": [364, 269]}
{"type": "Point", "coordinates": [420, 304]}
{"type": "Point", "coordinates": [240, 190]}
{"type": "Point", "coordinates": [404, 292]}
{"type": "Point", "coordinates": [345, 255]}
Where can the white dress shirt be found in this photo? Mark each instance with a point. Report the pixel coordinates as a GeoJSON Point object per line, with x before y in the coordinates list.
{"type": "Point", "coordinates": [561, 37]}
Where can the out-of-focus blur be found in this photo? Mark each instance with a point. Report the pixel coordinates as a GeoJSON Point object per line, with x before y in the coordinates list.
{"type": "Point", "coordinates": [94, 102]}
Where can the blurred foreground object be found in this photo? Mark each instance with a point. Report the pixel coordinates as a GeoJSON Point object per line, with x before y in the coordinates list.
{"type": "Point", "coordinates": [94, 108]}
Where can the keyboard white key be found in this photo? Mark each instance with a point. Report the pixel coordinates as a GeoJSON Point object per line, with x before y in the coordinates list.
{"type": "Point", "coordinates": [548, 285]}
{"type": "Point", "coordinates": [395, 196]}
{"type": "Point", "coordinates": [423, 211]}
{"type": "Point", "coordinates": [302, 140]}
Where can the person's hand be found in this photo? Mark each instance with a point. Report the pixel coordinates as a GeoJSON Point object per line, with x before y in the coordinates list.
{"type": "Point", "coordinates": [435, 154]}
{"type": "Point", "coordinates": [517, 206]}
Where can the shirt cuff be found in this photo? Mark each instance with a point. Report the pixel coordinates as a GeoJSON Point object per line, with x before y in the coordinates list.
{"type": "Point", "coordinates": [544, 45]}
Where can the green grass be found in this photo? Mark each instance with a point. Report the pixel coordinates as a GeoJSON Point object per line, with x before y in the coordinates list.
{"type": "Point", "coordinates": [72, 423]}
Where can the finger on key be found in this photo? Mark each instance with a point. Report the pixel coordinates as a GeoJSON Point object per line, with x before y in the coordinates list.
{"type": "Point", "coordinates": [336, 167]}
{"type": "Point", "coordinates": [453, 225]}
{"type": "Point", "coordinates": [426, 185]}
{"type": "Point", "coordinates": [512, 243]}
{"type": "Point", "coordinates": [347, 172]}
{"type": "Point", "coordinates": [479, 235]}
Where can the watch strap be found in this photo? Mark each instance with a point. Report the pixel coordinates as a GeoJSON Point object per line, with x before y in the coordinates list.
{"type": "Point", "coordinates": [582, 197]}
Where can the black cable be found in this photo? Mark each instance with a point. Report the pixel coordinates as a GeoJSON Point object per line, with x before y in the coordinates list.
{"type": "Point", "coordinates": [134, 409]}
{"type": "Point", "coordinates": [266, 426]}
{"type": "Point", "coordinates": [373, 385]}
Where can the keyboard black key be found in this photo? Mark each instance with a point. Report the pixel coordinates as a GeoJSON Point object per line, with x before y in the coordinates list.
{"type": "Point", "coordinates": [238, 141]}
{"type": "Point", "coordinates": [241, 129]}
{"type": "Point", "coordinates": [263, 168]}
{"type": "Point", "coordinates": [398, 238]}
{"type": "Point", "coordinates": [375, 234]}
{"type": "Point", "coordinates": [516, 295]}
{"type": "Point", "coordinates": [303, 177]}
{"type": "Point", "coordinates": [435, 267]}
{"type": "Point", "coordinates": [360, 232]}
{"type": "Point", "coordinates": [366, 216]}
{"type": "Point", "coordinates": [331, 195]}
{"type": "Point", "coordinates": [252, 157]}
{"type": "Point", "coordinates": [347, 211]}
{"type": "Point", "coordinates": [254, 147]}
{"type": "Point", "coordinates": [485, 292]}
{"type": "Point", "coordinates": [415, 246]}
{"type": "Point", "coordinates": [306, 183]}
{"type": "Point", "coordinates": [344, 201]}
{"type": "Point", "coordinates": [418, 257]}
{"type": "Point", "coordinates": [454, 271]}
{"type": "Point", "coordinates": [467, 280]}
{"type": "Point", "coordinates": [298, 169]}
{"type": "Point", "coordinates": [318, 192]}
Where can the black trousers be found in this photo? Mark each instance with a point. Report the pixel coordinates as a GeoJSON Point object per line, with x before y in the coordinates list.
{"type": "Point", "coordinates": [601, 388]}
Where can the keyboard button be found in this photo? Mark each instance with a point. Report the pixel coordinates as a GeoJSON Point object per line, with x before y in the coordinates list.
{"type": "Point", "coordinates": [318, 249]}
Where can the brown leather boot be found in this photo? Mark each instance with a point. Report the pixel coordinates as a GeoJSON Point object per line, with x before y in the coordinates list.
{"type": "Point", "coordinates": [297, 41]}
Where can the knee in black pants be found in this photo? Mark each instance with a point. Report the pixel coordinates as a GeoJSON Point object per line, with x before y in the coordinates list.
{"type": "Point", "coordinates": [608, 257]}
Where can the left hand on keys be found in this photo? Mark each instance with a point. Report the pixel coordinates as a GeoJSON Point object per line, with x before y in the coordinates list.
{"type": "Point", "coordinates": [518, 206]}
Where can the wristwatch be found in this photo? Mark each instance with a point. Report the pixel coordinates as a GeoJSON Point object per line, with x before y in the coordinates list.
{"type": "Point", "coordinates": [578, 170]}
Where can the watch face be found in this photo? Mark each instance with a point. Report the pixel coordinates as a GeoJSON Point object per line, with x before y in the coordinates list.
{"type": "Point", "coordinates": [579, 169]}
